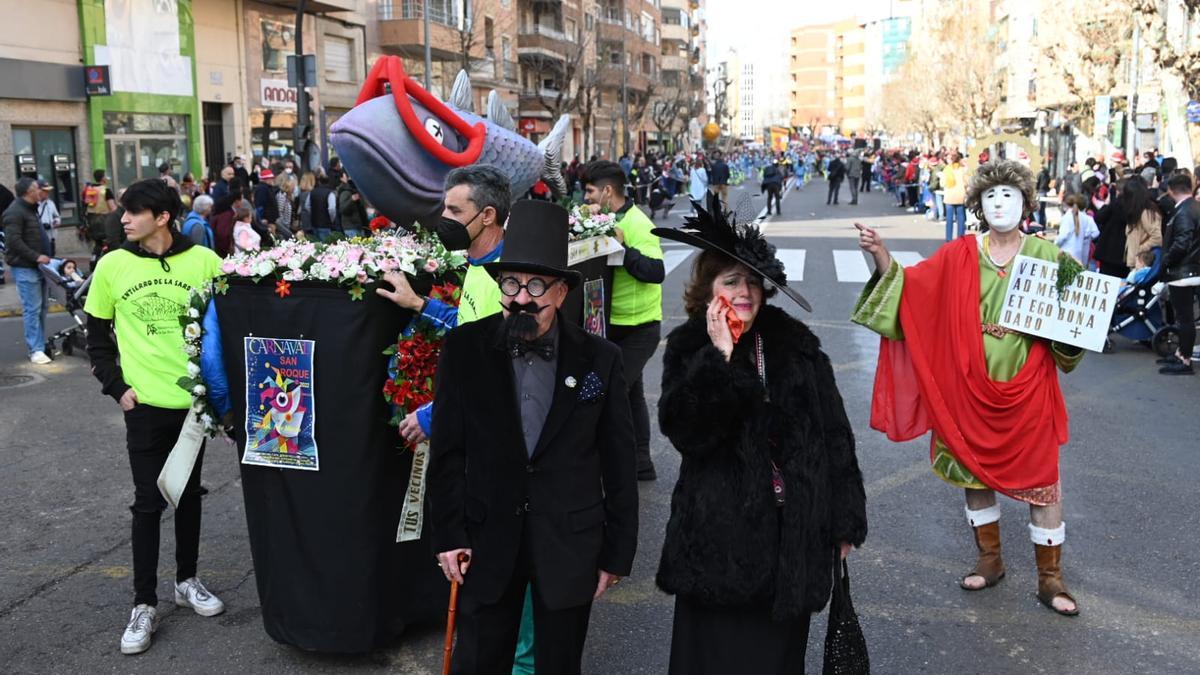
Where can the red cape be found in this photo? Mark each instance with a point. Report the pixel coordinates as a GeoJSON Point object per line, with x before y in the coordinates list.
{"type": "Point", "coordinates": [1005, 433]}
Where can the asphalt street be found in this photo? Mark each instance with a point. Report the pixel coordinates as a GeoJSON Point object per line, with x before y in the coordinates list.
{"type": "Point", "coordinates": [1129, 475]}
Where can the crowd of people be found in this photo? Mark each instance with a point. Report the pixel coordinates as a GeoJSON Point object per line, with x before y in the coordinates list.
{"type": "Point", "coordinates": [748, 397]}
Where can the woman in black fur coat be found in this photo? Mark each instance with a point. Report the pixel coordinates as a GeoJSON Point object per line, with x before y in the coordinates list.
{"type": "Point", "coordinates": [747, 561]}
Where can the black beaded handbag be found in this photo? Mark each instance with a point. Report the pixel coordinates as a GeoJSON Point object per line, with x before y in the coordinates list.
{"type": "Point", "coordinates": [845, 646]}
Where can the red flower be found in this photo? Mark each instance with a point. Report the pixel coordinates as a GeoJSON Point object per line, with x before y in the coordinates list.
{"type": "Point", "coordinates": [283, 289]}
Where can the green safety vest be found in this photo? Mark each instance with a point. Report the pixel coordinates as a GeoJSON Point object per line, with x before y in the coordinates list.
{"type": "Point", "coordinates": [637, 302]}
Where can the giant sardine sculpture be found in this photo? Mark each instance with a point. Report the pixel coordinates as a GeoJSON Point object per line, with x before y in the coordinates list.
{"type": "Point", "coordinates": [399, 142]}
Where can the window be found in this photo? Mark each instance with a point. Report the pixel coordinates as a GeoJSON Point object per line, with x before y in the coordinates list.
{"type": "Point", "coordinates": [589, 22]}
{"type": "Point", "coordinates": [385, 10]}
{"type": "Point", "coordinates": [489, 39]}
{"type": "Point", "coordinates": [339, 59]}
{"type": "Point", "coordinates": [571, 29]}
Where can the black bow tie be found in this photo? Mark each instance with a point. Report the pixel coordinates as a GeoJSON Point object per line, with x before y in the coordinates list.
{"type": "Point", "coordinates": [543, 347]}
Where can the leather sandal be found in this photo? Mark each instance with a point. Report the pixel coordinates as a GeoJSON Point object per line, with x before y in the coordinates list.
{"type": "Point", "coordinates": [989, 565]}
{"type": "Point", "coordinates": [1050, 579]}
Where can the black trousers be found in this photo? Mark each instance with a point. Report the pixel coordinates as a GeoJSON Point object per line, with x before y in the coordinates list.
{"type": "Point", "coordinates": [150, 433]}
{"type": "Point", "coordinates": [774, 196]}
{"type": "Point", "coordinates": [864, 183]}
{"type": "Point", "coordinates": [835, 186]}
{"type": "Point", "coordinates": [638, 344]}
{"type": "Point", "coordinates": [487, 633]}
{"type": "Point", "coordinates": [1182, 302]}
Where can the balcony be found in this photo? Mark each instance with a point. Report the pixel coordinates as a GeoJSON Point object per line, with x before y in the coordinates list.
{"type": "Point", "coordinates": [316, 6]}
{"type": "Point", "coordinates": [674, 31]}
{"type": "Point", "coordinates": [610, 78]}
{"type": "Point", "coordinates": [543, 41]}
{"type": "Point", "coordinates": [398, 35]}
{"type": "Point", "coordinates": [612, 30]}
{"type": "Point", "coordinates": [674, 62]}
{"type": "Point", "coordinates": [531, 105]}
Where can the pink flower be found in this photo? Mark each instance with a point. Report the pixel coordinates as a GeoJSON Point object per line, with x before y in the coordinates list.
{"type": "Point", "coordinates": [431, 265]}
{"type": "Point", "coordinates": [361, 276]}
{"type": "Point", "coordinates": [354, 255]}
{"type": "Point", "coordinates": [242, 270]}
{"type": "Point", "coordinates": [228, 267]}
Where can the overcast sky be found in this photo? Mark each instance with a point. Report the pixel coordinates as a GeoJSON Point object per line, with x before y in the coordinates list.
{"type": "Point", "coordinates": [760, 28]}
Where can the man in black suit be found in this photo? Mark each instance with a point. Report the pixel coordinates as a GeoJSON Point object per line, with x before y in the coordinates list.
{"type": "Point", "coordinates": [836, 173]}
{"type": "Point", "coordinates": [532, 473]}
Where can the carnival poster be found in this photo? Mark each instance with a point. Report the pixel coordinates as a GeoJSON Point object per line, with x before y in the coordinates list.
{"type": "Point", "coordinates": [280, 412]}
{"type": "Point", "coordinates": [593, 307]}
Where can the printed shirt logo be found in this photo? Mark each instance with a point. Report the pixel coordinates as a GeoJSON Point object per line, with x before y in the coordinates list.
{"type": "Point", "coordinates": [160, 315]}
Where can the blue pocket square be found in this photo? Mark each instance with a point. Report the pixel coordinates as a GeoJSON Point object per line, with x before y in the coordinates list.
{"type": "Point", "coordinates": [592, 389]}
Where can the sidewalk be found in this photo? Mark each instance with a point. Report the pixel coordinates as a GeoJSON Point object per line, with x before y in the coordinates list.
{"type": "Point", "coordinates": [10, 301]}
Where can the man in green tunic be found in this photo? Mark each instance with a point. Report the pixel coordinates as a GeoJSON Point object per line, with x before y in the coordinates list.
{"type": "Point", "coordinates": [990, 395]}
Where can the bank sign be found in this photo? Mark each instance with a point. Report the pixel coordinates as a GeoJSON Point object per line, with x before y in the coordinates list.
{"type": "Point", "coordinates": [277, 94]}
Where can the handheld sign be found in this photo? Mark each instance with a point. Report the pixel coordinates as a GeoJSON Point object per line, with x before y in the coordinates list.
{"type": "Point", "coordinates": [1079, 317]}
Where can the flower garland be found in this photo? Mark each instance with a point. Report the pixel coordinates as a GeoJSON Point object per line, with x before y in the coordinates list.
{"type": "Point", "coordinates": [346, 262]}
{"type": "Point", "coordinates": [586, 223]}
{"type": "Point", "coordinates": [414, 359]}
{"type": "Point", "coordinates": [351, 264]}
{"type": "Point", "coordinates": [192, 322]}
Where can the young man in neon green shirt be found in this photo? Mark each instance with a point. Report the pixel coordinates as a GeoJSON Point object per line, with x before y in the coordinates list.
{"type": "Point", "coordinates": [141, 290]}
{"type": "Point", "coordinates": [636, 321]}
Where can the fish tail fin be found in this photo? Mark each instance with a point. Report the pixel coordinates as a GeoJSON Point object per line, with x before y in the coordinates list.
{"type": "Point", "coordinates": [552, 149]}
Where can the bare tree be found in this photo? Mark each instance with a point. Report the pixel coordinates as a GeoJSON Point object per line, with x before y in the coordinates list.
{"type": "Point", "coordinates": [674, 104]}
{"type": "Point", "coordinates": [963, 47]}
{"type": "Point", "coordinates": [568, 72]}
{"type": "Point", "coordinates": [1089, 60]}
{"type": "Point", "coordinates": [587, 95]}
{"type": "Point", "coordinates": [1173, 47]}
{"type": "Point", "coordinates": [912, 102]}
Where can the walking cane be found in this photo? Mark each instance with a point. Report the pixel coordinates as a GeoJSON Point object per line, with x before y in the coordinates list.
{"type": "Point", "coordinates": [451, 616]}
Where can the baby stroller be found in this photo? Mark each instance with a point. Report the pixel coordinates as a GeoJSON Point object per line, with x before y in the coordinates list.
{"type": "Point", "coordinates": [71, 295]}
{"type": "Point", "coordinates": [1139, 314]}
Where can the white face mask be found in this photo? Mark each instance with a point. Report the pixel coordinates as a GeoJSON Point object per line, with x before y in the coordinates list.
{"type": "Point", "coordinates": [1002, 207]}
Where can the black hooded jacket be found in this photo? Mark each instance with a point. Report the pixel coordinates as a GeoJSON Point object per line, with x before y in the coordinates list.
{"type": "Point", "coordinates": [101, 345]}
{"type": "Point", "coordinates": [727, 542]}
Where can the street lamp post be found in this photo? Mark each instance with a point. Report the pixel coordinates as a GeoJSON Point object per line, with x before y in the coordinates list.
{"type": "Point", "coordinates": [428, 45]}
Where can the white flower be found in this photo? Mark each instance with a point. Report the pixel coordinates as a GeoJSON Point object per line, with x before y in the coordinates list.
{"type": "Point", "coordinates": [191, 349]}
{"type": "Point", "coordinates": [193, 313]}
{"type": "Point", "coordinates": [198, 405]}
{"type": "Point", "coordinates": [193, 369]}
{"type": "Point", "coordinates": [206, 420]}
{"type": "Point", "coordinates": [264, 267]}
{"type": "Point", "coordinates": [192, 331]}
{"type": "Point", "coordinates": [199, 390]}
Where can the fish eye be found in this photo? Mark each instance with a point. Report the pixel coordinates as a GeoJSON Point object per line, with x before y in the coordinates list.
{"type": "Point", "coordinates": [281, 399]}
{"type": "Point", "coordinates": [434, 128]}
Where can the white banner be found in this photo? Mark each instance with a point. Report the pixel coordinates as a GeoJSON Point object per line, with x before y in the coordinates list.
{"type": "Point", "coordinates": [594, 247]}
{"type": "Point", "coordinates": [178, 468]}
{"type": "Point", "coordinates": [142, 47]}
{"type": "Point", "coordinates": [1079, 317]}
{"type": "Point", "coordinates": [412, 517]}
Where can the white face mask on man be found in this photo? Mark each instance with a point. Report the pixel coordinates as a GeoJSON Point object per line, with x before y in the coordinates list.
{"type": "Point", "coordinates": [1003, 206]}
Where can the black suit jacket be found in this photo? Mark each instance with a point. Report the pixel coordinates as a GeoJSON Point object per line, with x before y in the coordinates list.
{"type": "Point", "coordinates": [575, 497]}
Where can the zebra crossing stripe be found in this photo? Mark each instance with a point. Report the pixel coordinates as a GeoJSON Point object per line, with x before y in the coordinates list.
{"type": "Point", "coordinates": [672, 258]}
{"type": "Point", "coordinates": [851, 266]}
{"type": "Point", "coordinates": [907, 258]}
{"type": "Point", "coordinates": [793, 262]}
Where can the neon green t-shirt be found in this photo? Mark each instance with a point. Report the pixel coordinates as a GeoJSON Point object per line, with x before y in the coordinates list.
{"type": "Point", "coordinates": [637, 302]}
{"type": "Point", "coordinates": [480, 296]}
{"type": "Point", "coordinates": [145, 301]}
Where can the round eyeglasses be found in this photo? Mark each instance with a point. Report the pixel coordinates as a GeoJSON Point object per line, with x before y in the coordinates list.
{"type": "Point", "coordinates": [536, 287]}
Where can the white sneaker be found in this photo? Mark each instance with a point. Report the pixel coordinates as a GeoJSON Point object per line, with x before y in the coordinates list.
{"type": "Point", "coordinates": [142, 623]}
{"type": "Point", "coordinates": [192, 593]}
{"type": "Point", "coordinates": [39, 358]}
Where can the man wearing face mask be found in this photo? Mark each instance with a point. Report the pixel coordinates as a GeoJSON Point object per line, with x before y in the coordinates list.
{"type": "Point", "coordinates": [997, 413]}
{"type": "Point", "coordinates": [476, 207]}
{"type": "Point", "coordinates": [636, 322]}
{"type": "Point", "coordinates": [537, 409]}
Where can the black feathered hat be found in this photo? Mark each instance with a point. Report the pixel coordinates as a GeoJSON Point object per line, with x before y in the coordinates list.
{"type": "Point", "coordinates": [713, 229]}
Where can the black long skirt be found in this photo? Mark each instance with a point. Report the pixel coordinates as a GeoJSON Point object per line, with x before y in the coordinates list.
{"type": "Point", "coordinates": [721, 640]}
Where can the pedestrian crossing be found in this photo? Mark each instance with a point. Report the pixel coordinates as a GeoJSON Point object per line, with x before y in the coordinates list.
{"type": "Point", "coordinates": [851, 266]}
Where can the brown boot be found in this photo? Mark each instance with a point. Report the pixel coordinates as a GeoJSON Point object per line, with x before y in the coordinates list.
{"type": "Point", "coordinates": [1050, 578]}
{"type": "Point", "coordinates": [989, 566]}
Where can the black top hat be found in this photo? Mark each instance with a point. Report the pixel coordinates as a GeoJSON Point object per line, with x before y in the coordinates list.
{"type": "Point", "coordinates": [535, 242]}
{"type": "Point", "coordinates": [713, 230]}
